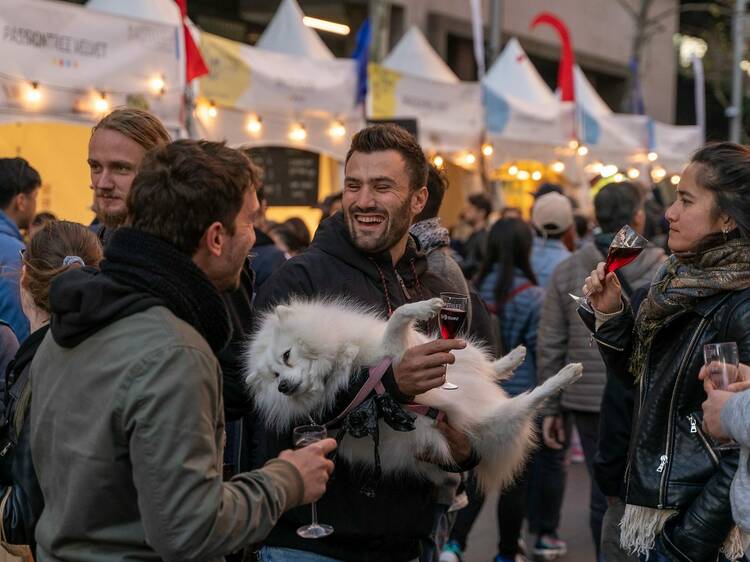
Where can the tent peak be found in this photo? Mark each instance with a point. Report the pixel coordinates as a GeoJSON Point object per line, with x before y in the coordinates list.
{"type": "Point", "coordinates": [413, 55]}
{"type": "Point", "coordinates": [287, 34]}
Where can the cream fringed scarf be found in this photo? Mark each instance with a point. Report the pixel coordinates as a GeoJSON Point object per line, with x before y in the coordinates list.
{"type": "Point", "coordinates": [640, 526]}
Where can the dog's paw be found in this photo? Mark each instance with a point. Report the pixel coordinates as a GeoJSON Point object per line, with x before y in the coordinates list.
{"type": "Point", "coordinates": [422, 310]}
{"type": "Point", "coordinates": [511, 361]}
{"type": "Point", "coordinates": [569, 374]}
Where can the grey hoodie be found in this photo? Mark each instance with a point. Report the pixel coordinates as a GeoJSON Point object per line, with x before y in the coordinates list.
{"type": "Point", "coordinates": [735, 417]}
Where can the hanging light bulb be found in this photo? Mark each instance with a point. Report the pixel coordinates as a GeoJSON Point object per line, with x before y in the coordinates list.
{"type": "Point", "coordinates": [212, 110]}
{"type": "Point", "coordinates": [557, 167]}
{"type": "Point", "coordinates": [652, 156]}
{"type": "Point", "coordinates": [608, 171]}
{"type": "Point", "coordinates": [513, 170]}
{"type": "Point", "coordinates": [675, 179]}
{"type": "Point", "coordinates": [157, 85]}
{"type": "Point", "coordinates": [33, 94]}
{"type": "Point", "coordinates": [298, 132]}
{"type": "Point", "coordinates": [337, 130]}
{"type": "Point", "coordinates": [438, 161]}
{"type": "Point", "coordinates": [536, 176]}
{"type": "Point", "coordinates": [583, 150]}
{"type": "Point", "coordinates": [101, 104]}
{"type": "Point", "coordinates": [254, 124]}
{"type": "Point", "coordinates": [523, 175]}
{"type": "Point", "coordinates": [573, 144]}
{"type": "Point", "coordinates": [619, 178]}
{"type": "Point", "coordinates": [470, 159]}
{"type": "Point", "coordinates": [487, 149]}
{"type": "Point", "coordinates": [658, 174]}
{"type": "Point", "coordinates": [633, 173]}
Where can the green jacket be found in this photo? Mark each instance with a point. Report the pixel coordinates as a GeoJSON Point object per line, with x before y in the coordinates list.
{"type": "Point", "coordinates": [127, 437]}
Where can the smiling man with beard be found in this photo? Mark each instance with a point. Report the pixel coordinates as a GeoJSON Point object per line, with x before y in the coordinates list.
{"type": "Point", "coordinates": [366, 254]}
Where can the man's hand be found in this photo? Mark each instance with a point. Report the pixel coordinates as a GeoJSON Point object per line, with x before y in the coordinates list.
{"type": "Point", "coordinates": [313, 466]}
{"type": "Point", "coordinates": [553, 432]}
{"type": "Point", "coordinates": [423, 366]}
{"type": "Point", "coordinates": [712, 412]}
{"type": "Point", "coordinates": [603, 290]}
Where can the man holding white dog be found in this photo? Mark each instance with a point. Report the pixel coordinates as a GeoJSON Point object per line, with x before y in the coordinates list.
{"type": "Point", "coordinates": [366, 253]}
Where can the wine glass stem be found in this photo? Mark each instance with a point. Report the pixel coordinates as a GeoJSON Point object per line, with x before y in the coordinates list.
{"type": "Point", "coordinates": [314, 513]}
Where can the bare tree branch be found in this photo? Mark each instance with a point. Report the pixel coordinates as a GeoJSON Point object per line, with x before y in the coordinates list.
{"type": "Point", "coordinates": [692, 7]}
{"type": "Point", "coordinates": [628, 8]}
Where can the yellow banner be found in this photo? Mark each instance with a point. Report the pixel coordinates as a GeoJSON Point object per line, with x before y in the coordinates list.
{"type": "Point", "coordinates": [58, 151]}
{"type": "Point", "coordinates": [229, 76]}
{"type": "Point", "coordinates": [382, 84]}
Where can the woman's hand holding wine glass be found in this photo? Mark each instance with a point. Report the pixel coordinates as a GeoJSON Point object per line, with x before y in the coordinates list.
{"type": "Point", "coordinates": [603, 290]}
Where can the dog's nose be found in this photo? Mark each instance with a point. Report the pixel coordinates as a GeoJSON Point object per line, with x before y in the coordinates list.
{"type": "Point", "coordinates": [286, 387]}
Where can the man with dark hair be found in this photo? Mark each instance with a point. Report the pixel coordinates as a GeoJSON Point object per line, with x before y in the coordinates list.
{"type": "Point", "coordinates": [563, 338]}
{"type": "Point", "coordinates": [19, 186]}
{"type": "Point", "coordinates": [127, 390]}
{"type": "Point", "coordinates": [476, 213]}
{"type": "Point", "coordinates": [366, 254]}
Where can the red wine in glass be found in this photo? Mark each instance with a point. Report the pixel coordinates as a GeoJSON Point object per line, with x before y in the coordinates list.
{"type": "Point", "coordinates": [619, 257]}
{"type": "Point", "coordinates": [451, 321]}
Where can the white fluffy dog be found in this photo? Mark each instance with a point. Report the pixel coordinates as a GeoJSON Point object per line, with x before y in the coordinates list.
{"type": "Point", "coordinates": [306, 351]}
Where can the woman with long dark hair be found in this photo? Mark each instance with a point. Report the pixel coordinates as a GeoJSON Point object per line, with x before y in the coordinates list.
{"type": "Point", "coordinates": [677, 480]}
{"type": "Point", "coordinates": [507, 284]}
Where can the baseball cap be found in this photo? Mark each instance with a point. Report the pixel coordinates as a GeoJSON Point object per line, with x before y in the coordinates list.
{"type": "Point", "coordinates": [552, 214]}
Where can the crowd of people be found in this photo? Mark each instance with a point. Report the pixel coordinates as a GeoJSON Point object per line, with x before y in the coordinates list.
{"type": "Point", "coordinates": [128, 433]}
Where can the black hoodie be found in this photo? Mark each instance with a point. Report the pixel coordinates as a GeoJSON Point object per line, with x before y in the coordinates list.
{"type": "Point", "coordinates": [388, 526]}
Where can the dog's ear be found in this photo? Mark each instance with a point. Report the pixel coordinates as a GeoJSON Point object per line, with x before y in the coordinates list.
{"type": "Point", "coordinates": [307, 350]}
{"type": "Point", "coordinates": [283, 312]}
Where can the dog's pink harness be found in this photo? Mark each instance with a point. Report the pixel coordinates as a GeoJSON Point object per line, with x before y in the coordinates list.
{"type": "Point", "coordinates": [374, 383]}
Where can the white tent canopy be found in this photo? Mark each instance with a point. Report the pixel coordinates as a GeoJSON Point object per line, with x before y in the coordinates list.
{"type": "Point", "coordinates": [414, 56]}
{"type": "Point", "coordinates": [288, 34]}
{"type": "Point", "coordinates": [524, 118]}
{"type": "Point", "coordinates": [159, 11]}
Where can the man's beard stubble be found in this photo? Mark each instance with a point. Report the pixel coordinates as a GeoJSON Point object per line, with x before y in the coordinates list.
{"type": "Point", "coordinates": [398, 225]}
{"type": "Point", "coordinates": [109, 220]}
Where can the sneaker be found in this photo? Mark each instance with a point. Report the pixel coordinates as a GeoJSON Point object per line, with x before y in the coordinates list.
{"type": "Point", "coordinates": [451, 552]}
{"type": "Point", "coordinates": [549, 547]}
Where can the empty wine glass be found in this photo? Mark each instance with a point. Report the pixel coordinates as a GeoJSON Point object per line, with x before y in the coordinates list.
{"type": "Point", "coordinates": [723, 362]}
{"type": "Point", "coordinates": [303, 436]}
{"type": "Point", "coordinates": [625, 247]}
{"type": "Point", "coordinates": [451, 319]}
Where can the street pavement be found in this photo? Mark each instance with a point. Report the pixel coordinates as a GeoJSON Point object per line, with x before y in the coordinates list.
{"type": "Point", "coordinates": [574, 524]}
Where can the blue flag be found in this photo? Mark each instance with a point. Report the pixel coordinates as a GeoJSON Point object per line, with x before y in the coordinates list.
{"type": "Point", "coordinates": [361, 55]}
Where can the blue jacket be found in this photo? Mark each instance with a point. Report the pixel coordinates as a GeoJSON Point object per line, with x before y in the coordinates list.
{"type": "Point", "coordinates": [519, 323]}
{"type": "Point", "coordinates": [545, 255]}
{"type": "Point", "coordinates": [11, 243]}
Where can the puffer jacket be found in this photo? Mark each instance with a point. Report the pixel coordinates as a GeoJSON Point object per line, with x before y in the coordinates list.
{"type": "Point", "coordinates": [672, 464]}
{"type": "Point", "coordinates": [564, 339]}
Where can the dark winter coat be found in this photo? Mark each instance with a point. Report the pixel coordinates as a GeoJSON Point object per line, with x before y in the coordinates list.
{"type": "Point", "coordinates": [672, 464]}
{"type": "Point", "coordinates": [25, 502]}
{"type": "Point", "coordinates": [388, 525]}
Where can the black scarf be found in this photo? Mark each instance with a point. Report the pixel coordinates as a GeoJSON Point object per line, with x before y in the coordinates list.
{"type": "Point", "coordinates": [155, 267]}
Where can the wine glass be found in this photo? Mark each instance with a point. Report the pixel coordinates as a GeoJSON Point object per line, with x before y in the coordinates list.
{"type": "Point", "coordinates": [451, 319]}
{"type": "Point", "coordinates": [723, 362]}
{"type": "Point", "coordinates": [625, 247]}
{"type": "Point", "coordinates": [303, 436]}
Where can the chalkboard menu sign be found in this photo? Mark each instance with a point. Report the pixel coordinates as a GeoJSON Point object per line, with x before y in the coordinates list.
{"type": "Point", "coordinates": [290, 175]}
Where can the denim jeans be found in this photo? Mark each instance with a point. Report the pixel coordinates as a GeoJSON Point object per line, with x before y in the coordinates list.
{"type": "Point", "coordinates": [275, 554]}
